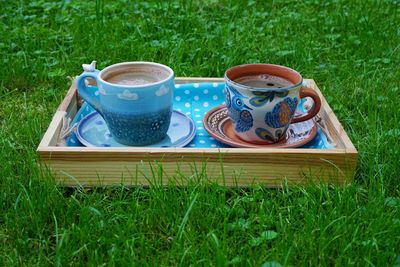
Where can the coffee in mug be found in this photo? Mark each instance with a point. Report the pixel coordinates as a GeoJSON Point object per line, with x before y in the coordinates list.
{"type": "Point", "coordinates": [264, 81]}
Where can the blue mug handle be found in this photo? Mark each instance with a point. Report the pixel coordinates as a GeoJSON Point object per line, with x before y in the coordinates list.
{"type": "Point", "coordinates": [90, 94]}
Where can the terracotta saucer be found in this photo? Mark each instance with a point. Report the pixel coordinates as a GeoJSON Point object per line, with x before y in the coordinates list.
{"type": "Point", "coordinates": [218, 125]}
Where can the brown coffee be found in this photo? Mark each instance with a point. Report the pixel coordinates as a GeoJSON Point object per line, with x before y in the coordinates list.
{"type": "Point", "coordinates": [139, 74]}
{"type": "Point", "coordinates": [264, 81]}
{"type": "Point", "coordinates": [132, 78]}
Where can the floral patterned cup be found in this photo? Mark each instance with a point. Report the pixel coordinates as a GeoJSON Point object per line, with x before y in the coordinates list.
{"type": "Point", "coordinates": [262, 100]}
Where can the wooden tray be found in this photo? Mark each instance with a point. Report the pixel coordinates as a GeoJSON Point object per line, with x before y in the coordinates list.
{"type": "Point", "coordinates": [83, 166]}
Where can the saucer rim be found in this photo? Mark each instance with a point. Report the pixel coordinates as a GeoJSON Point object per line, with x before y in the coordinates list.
{"type": "Point", "coordinates": [183, 143]}
{"type": "Point", "coordinates": [245, 144]}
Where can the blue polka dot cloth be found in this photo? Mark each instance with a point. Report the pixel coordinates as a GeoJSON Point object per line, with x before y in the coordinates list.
{"type": "Point", "coordinates": [195, 100]}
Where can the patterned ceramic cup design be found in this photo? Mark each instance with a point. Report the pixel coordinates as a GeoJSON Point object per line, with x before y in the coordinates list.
{"type": "Point", "coordinates": [262, 114]}
{"type": "Point", "coordinates": [136, 114]}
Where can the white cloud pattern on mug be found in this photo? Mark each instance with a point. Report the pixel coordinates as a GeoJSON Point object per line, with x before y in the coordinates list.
{"type": "Point", "coordinates": [128, 95]}
{"type": "Point", "coordinates": [102, 91]}
{"type": "Point", "coordinates": [162, 91]}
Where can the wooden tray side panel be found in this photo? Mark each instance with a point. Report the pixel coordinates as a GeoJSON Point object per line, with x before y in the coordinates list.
{"type": "Point", "coordinates": [67, 109]}
{"type": "Point", "coordinates": [52, 133]}
{"type": "Point", "coordinates": [335, 127]}
{"type": "Point", "coordinates": [227, 169]}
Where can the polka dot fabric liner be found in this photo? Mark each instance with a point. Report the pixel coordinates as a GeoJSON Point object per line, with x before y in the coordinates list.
{"type": "Point", "coordinates": [195, 100]}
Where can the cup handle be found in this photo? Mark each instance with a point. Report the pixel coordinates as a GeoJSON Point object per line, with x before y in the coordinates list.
{"type": "Point", "coordinates": [89, 94]}
{"type": "Point", "coordinates": [308, 92]}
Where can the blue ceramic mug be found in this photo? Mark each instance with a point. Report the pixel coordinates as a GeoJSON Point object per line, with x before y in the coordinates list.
{"type": "Point", "coordinates": [134, 98]}
{"type": "Point", "coordinates": [262, 100]}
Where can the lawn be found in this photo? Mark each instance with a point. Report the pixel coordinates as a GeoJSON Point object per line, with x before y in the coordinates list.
{"type": "Point", "coordinates": [350, 48]}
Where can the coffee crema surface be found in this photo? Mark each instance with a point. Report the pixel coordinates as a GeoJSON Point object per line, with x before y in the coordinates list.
{"type": "Point", "coordinates": [264, 81]}
{"type": "Point", "coordinates": [132, 78]}
{"type": "Point", "coordinates": [135, 75]}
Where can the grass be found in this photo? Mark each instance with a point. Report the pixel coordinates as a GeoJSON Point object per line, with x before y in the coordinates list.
{"type": "Point", "coordinates": [351, 49]}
